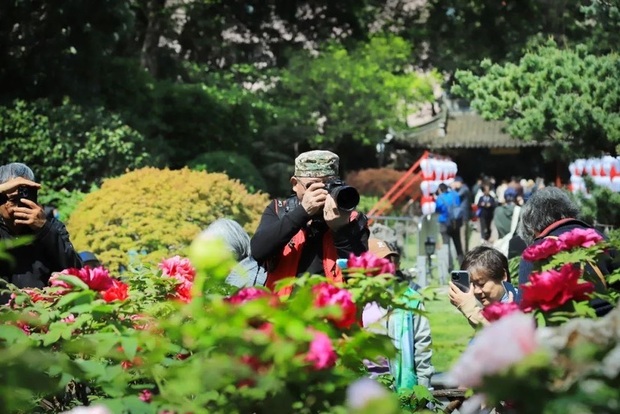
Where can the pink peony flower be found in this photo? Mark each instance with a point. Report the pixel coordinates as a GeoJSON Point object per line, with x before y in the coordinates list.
{"type": "Point", "coordinates": [498, 310]}
{"type": "Point", "coordinates": [329, 295]}
{"type": "Point", "coordinates": [118, 291]}
{"type": "Point", "coordinates": [179, 268]}
{"type": "Point", "coordinates": [551, 289]}
{"type": "Point", "coordinates": [321, 353]}
{"type": "Point", "coordinates": [497, 347]}
{"type": "Point", "coordinates": [363, 391]}
{"type": "Point", "coordinates": [543, 250]}
{"type": "Point", "coordinates": [55, 282]}
{"type": "Point", "coordinates": [372, 264]}
{"type": "Point", "coordinates": [580, 238]}
{"type": "Point", "coordinates": [97, 279]}
{"type": "Point", "coordinates": [69, 319]}
{"type": "Point", "coordinates": [146, 396]}
{"type": "Point", "coordinates": [246, 294]}
{"type": "Point", "coordinates": [183, 292]}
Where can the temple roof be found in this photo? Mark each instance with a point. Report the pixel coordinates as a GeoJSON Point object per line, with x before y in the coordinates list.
{"type": "Point", "coordinates": [462, 130]}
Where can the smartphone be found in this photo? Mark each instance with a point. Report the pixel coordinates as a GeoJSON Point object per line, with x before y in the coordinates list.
{"type": "Point", "coordinates": [461, 279]}
{"type": "Point", "coordinates": [510, 289]}
{"type": "Point", "coordinates": [24, 191]}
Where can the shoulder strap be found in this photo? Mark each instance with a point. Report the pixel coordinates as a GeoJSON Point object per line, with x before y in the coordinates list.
{"type": "Point", "coordinates": [515, 219]}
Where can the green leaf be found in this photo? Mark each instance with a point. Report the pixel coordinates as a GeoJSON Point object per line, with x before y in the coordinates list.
{"type": "Point", "coordinates": [85, 296]}
{"type": "Point", "coordinates": [12, 334]}
{"type": "Point", "coordinates": [72, 280]}
{"type": "Point", "coordinates": [130, 346]}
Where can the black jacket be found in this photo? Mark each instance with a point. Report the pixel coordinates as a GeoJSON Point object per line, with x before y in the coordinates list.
{"type": "Point", "coordinates": [51, 251]}
{"type": "Point", "coordinates": [277, 228]}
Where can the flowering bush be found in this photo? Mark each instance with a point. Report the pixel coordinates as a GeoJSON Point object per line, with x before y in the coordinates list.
{"type": "Point", "coordinates": [549, 354]}
{"type": "Point", "coordinates": [165, 339]}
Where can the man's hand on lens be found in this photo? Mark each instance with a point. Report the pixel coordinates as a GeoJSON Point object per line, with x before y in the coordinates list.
{"type": "Point", "coordinates": [314, 198]}
{"type": "Point", "coordinates": [333, 216]}
{"type": "Point", "coordinates": [32, 215]}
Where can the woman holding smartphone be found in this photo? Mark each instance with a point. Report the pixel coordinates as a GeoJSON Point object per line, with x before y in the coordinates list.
{"type": "Point", "coordinates": [484, 279]}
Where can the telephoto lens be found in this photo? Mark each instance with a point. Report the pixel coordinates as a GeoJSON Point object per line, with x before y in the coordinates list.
{"type": "Point", "coordinates": [346, 197]}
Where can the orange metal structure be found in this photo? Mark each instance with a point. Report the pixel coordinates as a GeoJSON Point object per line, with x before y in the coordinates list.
{"type": "Point", "coordinates": [407, 185]}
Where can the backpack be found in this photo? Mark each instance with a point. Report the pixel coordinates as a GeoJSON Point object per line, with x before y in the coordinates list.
{"type": "Point", "coordinates": [455, 214]}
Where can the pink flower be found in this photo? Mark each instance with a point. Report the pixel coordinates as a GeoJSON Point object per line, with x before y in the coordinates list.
{"type": "Point", "coordinates": [97, 279]}
{"type": "Point", "coordinates": [497, 347]}
{"type": "Point", "coordinates": [55, 282]}
{"type": "Point", "coordinates": [363, 391]}
{"type": "Point", "coordinates": [179, 268]}
{"type": "Point", "coordinates": [551, 289]}
{"type": "Point", "coordinates": [580, 238]}
{"type": "Point", "coordinates": [321, 353]}
{"type": "Point", "coordinates": [118, 291]}
{"type": "Point", "coordinates": [146, 396]}
{"type": "Point", "coordinates": [498, 310]}
{"type": "Point", "coordinates": [546, 248]}
{"type": "Point", "coordinates": [246, 294]}
{"type": "Point", "coordinates": [329, 295]}
{"type": "Point", "coordinates": [69, 319]}
{"type": "Point", "coordinates": [372, 264]}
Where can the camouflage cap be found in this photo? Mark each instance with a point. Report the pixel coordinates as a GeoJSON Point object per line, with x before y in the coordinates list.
{"type": "Point", "coordinates": [316, 164]}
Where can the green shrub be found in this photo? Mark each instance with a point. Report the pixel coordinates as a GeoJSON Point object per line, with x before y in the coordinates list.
{"type": "Point", "coordinates": [69, 146]}
{"type": "Point", "coordinates": [158, 213]}
{"type": "Point", "coordinates": [234, 165]}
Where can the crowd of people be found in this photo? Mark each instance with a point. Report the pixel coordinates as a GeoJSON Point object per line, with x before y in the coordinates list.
{"type": "Point", "coordinates": [308, 233]}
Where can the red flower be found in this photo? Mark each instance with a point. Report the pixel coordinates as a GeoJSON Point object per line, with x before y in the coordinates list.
{"type": "Point", "coordinates": [118, 291]}
{"type": "Point", "coordinates": [580, 238]}
{"type": "Point", "coordinates": [184, 292]}
{"type": "Point", "coordinates": [330, 295]}
{"type": "Point", "coordinates": [498, 310]}
{"type": "Point", "coordinates": [372, 264]}
{"type": "Point", "coordinates": [35, 295]}
{"type": "Point", "coordinates": [247, 294]}
{"type": "Point", "coordinates": [321, 352]}
{"type": "Point", "coordinates": [546, 248]}
{"type": "Point", "coordinates": [551, 289]}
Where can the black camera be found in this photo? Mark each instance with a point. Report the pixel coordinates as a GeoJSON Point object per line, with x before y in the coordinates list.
{"type": "Point", "coordinates": [24, 191]}
{"type": "Point", "coordinates": [346, 197]}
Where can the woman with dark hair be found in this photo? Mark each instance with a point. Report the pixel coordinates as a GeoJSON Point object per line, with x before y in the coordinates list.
{"type": "Point", "coordinates": [489, 282]}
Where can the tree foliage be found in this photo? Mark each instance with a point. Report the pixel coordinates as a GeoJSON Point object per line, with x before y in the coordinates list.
{"type": "Point", "coordinates": [69, 146]}
{"type": "Point", "coordinates": [569, 97]}
{"type": "Point", "coordinates": [358, 93]}
{"type": "Point", "coordinates": [232, 164]}
{"type": "Point", "coordinates": [158, 213]}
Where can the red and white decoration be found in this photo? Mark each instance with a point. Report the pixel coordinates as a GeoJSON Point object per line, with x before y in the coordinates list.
{"type": "Point", "coordinates": [604, 171]}
{"type": "Point", "coordinates": [434, 172]}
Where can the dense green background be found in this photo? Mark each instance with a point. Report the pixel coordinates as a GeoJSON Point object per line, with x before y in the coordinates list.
{"type": "Point", "coordinates": [119, 84]}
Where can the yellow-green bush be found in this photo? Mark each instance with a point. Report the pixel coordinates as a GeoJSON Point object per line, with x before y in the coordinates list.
{"type": "Point", "coordinates": [158, 213]}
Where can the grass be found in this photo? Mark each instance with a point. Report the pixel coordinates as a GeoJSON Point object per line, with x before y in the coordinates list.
{"type": "Point", "coordinates": [449, 329]}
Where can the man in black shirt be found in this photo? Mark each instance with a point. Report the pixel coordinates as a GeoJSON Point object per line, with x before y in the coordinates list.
{"type": "Point", "coordinates": [50, 251]}
{"type": "Point", "coordinates": [308, 232]}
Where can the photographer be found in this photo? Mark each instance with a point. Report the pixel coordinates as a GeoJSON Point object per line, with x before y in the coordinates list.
{"type": "Point", "coordinates": [489, 282]}
{"type": "Point", "coordinates": [20, 215]}
{"type": "Point", "coordinates": [310, 230]}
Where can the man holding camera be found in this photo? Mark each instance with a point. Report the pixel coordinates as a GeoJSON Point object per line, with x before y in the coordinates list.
{"type": "Point", "coordinates": [20, 215]}
{"type": "Point", "coordinates": [310, 230]}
